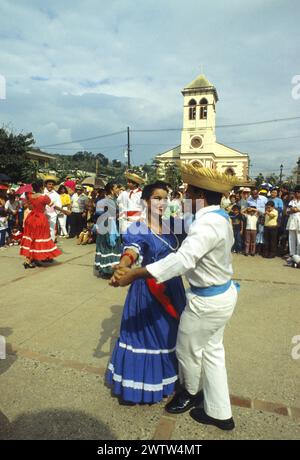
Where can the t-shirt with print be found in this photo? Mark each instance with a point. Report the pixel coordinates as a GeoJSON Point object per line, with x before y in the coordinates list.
{"type": "Point", "coordinates": [237, 221]}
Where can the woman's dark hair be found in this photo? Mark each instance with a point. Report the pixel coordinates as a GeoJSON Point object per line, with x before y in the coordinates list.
{"type": "Point", "coordinates": [109, 186]}
{"type": "Point", "coordinates": [37, 186]}
{"type": "Point", "coordinates": [149, 189]}
{"type": "Point", "coordinates": [62, 187]}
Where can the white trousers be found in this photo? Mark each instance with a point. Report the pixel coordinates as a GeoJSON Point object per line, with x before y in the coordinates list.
{"type": "Point", "coordinates": [52, 222]}
{"type": "Point", "coordinates": [62, 220]}
{"type": "Point", "coordinates": [200, 349]}
{"type": "Point", "coordinates": [294, 242]}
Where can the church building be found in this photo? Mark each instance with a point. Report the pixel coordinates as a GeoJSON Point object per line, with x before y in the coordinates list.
{"type": "Point", "coordinates": [198, 136]}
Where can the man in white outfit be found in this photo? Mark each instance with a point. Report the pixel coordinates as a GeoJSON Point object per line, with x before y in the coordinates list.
{"type": "Point", "coordinates": [293, 225]}
{"type": "Point", "coordinates": [130, 201]}
{"type": "Point", "coordinates": [205, 259]}
{"type": "Point", "coordinates": [50, 211]}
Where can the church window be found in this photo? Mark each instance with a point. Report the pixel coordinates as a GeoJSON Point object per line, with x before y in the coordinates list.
{"type": "Point", "coordinates": [230, 172]}
{"type": "Point", "coordinates": [192, 109]}
{"type": "Point", "coordinates": [203, 109]}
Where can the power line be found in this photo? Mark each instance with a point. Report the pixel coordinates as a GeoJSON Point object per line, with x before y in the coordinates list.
{"type": "Point", "coordinates": [99, 147]}
{"type": "Point", "coordinates": [274, 120]}
{"type": "Point", "coordinates": [84, 140]}
{"type": "Point", "coordinates": [263, 140]}
{"type": "Point", "coordinates": [231, 125]}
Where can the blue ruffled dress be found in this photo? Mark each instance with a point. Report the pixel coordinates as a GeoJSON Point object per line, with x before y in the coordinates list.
{"type": "Point", "coordinates": [143, 367]}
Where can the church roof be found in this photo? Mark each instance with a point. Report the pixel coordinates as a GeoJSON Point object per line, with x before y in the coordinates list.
{"type": "Point", "coordinates": [200, 82]}
{"type": "Point", "coordinates": [202, 85]}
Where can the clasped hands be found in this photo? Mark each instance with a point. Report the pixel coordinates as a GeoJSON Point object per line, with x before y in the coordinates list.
{"type": "Point", "coordinates": [122, 276]}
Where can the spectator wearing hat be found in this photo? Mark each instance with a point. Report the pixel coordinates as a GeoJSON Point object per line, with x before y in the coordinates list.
{"type": "Point", "coordinates": [130, 202]}
{"type": "Point", "coordinates": [270, 230]}
{"type": "Point", "coordinates": [50, 211]}
{"type": "Point", "coordinates": [78, 211]}
{"type": "Point", "coordinates": [69, 182]}
{"type": "Point", "coordinates": [258, 201]}
{"type": "Point", "coordinates": [243, 203]}
{"type": "Point", "coordinates": [293, 225]}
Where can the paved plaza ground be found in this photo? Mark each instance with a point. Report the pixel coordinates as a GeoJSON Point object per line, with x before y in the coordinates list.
{"type": "Point", "coordinates": [60, 325]}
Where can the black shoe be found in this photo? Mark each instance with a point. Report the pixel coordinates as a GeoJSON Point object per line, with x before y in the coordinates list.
{"type": "Point", "coordinates": [183, 401]}
{"type": "Point", "coordinates": [37, 263]}
{"type": "Point", "coordinates": [28, 265]}
{"type": "Point", "coordinates": [200, 416]}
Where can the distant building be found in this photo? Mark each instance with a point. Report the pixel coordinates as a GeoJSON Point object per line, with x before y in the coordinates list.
{"type": "Point", "coordinates": [198, 137]}
{"type": "Point", "coordinates": [42, 159]}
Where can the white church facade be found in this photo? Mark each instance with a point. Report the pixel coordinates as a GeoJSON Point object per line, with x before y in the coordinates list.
{"type": "Point", "coordinates": [198, 136]}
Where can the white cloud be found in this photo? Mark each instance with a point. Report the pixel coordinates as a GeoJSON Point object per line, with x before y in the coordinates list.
{"type": "Point", "coordinates": [77, 69]}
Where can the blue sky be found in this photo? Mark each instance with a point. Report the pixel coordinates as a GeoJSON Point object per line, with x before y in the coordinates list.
{"type": "Point", "coordinates": [78, 69]}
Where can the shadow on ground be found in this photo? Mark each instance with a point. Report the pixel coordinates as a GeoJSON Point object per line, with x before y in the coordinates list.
{"type": "Point", "coordinates": [110, 328]}
{"type": "Point", "coordinates": [54, 424]}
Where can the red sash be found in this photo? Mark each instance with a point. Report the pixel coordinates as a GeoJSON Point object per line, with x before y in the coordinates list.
{"type": "Point", "coordinates": [158, 291]}
{"type": "Point", "coordinates": [132, 213]}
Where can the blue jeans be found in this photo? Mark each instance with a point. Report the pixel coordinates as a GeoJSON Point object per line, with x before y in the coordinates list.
{"type": "Point", "coordinates": [238, 243]}
{"type": "Point", "coordinates": [2, 237]}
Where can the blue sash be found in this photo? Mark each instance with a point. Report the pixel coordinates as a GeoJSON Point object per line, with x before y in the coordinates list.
{"type": "Point", "coordinates": [214, 290]}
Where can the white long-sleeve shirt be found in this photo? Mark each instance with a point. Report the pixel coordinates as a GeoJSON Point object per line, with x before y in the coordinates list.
{"type": "Point", "coordinates": [130, 201]}
{"type": "Point", "coordinates": [205, 254]}
{"type": "Point", "coordinates": [55, 199]}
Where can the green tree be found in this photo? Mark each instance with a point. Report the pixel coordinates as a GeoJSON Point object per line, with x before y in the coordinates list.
{"type": "Point", "coordinates": [273, 179]}
{"type": "Point", "coordinates": [150, 172]}
{"type": "Point", "coordinates": [173, 175]}
{"type": "Point", "coordinates": [13, 158]}
{"type": "Point", "coordinates": [259, 180]}
{"type": "Point", "coordinates": [117, 163]}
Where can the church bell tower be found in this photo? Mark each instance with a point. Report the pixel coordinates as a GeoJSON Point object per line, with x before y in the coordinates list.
{"type": "Point", "coordinates": [199, 117]}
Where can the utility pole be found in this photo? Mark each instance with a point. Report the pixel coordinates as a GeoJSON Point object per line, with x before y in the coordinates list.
{"type": "Point", "coordinates": [298, 172]}
{"type": "Point", "coordinates": [97, 167]}
{"type": "Point", "coordinates": [249, 166]}
{"type": "Point", "coordinates": [128, 147]}
{"type": "Point", "coordinates": [280, 175]}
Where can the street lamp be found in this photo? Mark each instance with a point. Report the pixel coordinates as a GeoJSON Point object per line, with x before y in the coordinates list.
{"type": "Point", "coordinates": [298, 172]}
{"type": "Point", "coordinates": [280, 176]}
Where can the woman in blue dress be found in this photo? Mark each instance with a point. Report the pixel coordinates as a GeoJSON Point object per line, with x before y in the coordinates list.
{"type": "Point", "coordinates": [108, 242]}
{"type": "Point", "coordinates": [143, 366]}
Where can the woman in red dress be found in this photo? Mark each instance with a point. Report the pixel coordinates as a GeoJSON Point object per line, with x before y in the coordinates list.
{"type": "Point", "coordinates": [36, 244]}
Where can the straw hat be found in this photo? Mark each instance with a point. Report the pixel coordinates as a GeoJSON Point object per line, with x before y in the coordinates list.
{"type": "Point", "coordinates": [134, 178]}
{"type": "Point", "coordinates": [208, 179]}
{"type": "Point", "coordinates": [50, 178]}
